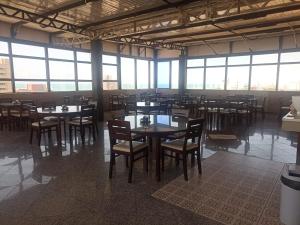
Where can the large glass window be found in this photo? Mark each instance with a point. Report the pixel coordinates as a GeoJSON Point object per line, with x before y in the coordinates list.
{"type": "Point", "coordinates": [195, 78]}
{"type": "Point", "coordinates": [265, 58]}
{"type": "Point", "coordinates": [3, 47]}
{"type": "Point", "coordinates": [238, 78]}
{"type": "Point", "coordinates": [28, 50]}
{"type": "Point", "coordinates": [60, 70]}
{"type": "Point", "coordinates": [84, 71]}
{"type": "Point", "coordinates": [264, 77]}
{"type": "Point", "coordinates": [31, 86]}
{"type": "Point", "coordinates": [5, 72]}
{"type": "Point", "coordinates": [163, 74]}
{"type": "Point", "coordinates": [239, 60]}
{"type": "Point", "coordinates": [55, 53]}
{"type": "Point", "coordinates": [174, 74]}
{"type": "Point", "coordinates": [142, 73]}
{"type": "Point", "coordinates": [289, 79]}
{"type": "Point", "coordinates": [25, 68]}
{"type": "Point", "coordinates": [63, 86]}
{"type": "Point", "coordinates": [220, 61]}
{"type": "Point", "coordinates": [215, 78]}
{"type": "Point", "coordinates": [109, 72]}
{"type": "Point", "coordinates": [127, 73]}
{"type": "Point", "coordinates": [83, 56]}
{"type": "Point", "coordinates": [195, 62]}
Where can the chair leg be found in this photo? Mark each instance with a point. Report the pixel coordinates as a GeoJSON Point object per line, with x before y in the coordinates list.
{"type": "Point", "coordinates": [111, 163]}
{"type": "Point", "coordinates": [199, 161]}
{"type": "Point", "coordinates": [94, 134]}
{"type": "Point", "coordinates": [39, 137]}
{"type": "Point", "coordinates": [162, 159]}
{"type": "Point", "coordinates": [57, 135]}
{"type": "Point", "coordinates": [146, 158]}
{"type": "Point", "coordinates": [130, 169]}
{"type": "Point", "coordinates": [185, 166]}
{"type": "Point", "coordinates": [126, 161]}
{"type": "Point", "coordinates": [82, 129]}
{"type": "Point", "coordinates": [70, 135]}
{"type": "Point", "coordinates": [177, 159]}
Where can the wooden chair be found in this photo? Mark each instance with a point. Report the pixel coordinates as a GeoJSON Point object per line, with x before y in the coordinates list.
{"type": "Point", "coordinates": [122, 143]}
{"type": "Point", "coordinates": [41, 126]}
{"type": "Point", "coordinates": [260, 107]}
{"type": "Point", "coordinates": [87, 120]}
{"type": "Point", "coordinates": [19, 114]}
{"type": "Point", "coordinates": [189, 144]}
{"type": "Point", "coordinates": [180, 112]}
{"type": "Point", "coordinates": [118, 114]}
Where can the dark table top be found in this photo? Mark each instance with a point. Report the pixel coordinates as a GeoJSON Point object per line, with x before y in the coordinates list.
{"type": "Point", "coordinates": [160, 125]}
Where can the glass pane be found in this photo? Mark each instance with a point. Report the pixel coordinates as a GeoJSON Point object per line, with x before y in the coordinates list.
{"type": "Point", "coordinates": [127, 73]}
{"type": "Point", "coordinates": [55, 53]}
{"type": "Point", "coordinates": [84, 71]}
{"type": "Point", "coordinates": [194, 78]}
{"type": "Point", "coordinates": [264, 77]}
{"type": "Point", "coordinates": [195, 62]}
{"type": "Point", "coordinates": [238, 60]}
{"type": "Point", "coordinates": [62, 86]}
{"type": "Point", "coordinates": [238, 78]}
{"type": "Point", "coordinates": [175, 74]}
{"type": "Point", "coordinates": [110, 85]}
{"type": "Point", "coordinates": [5, 72]}
{"type": "Point", "coordinates": [28, 50]}
{"type": "Point", "coordinates": [61, 70]}
{"type": "Point", "coordinates": [29, 68]}
{"type": "Point", "coordinates": [85, 86]}
{"type": "Point", "coordinates": [220, 61]}
{"type": "Point", "coordinates": [163, 74]}
{"type": "Point", "coordinates": [290, 57]}
{"type": "Point", "coordinates": [5, 86]}
{"type": "Point", "coordinates": [110, 59]}
{"type": "Point", "coordinates": [31, 86]}
{"type": "Point", "coordinates": [3, 47]}
{"type": "Point", "coordinates": [151, 74]}
{"type": "Point", "coordinates": [289, 79]}
{"type": "Point", "coordinates": [142, 69]}
{"type": "Point", "coordinates": [109, 72]}
{"type": "Point", "coordinates": [215, 78]}
{"type": "Point", "coordinates": [266, 58]}
{"type": "Point", "coordinates": [83, 56]}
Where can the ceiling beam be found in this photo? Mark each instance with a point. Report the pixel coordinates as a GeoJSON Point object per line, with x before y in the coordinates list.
{"type": "Point", "coordinates": [139, 13]}
{"type": "Point", "coordinates": [238, 27]}
{"type": "Point", "coordinates": [249, 33]}
{"type": "Point", "coordinates": [64, 7]}
{"type": "Point", "coordinates": [246, 15]}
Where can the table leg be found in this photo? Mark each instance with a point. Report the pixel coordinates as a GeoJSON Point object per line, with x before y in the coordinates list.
{"type": "Point", "coordinates": [59, 131]}
{"type": "Point", "coordinates": [156, 145]}
{"type": "Point", "coordinates": [298, 150]}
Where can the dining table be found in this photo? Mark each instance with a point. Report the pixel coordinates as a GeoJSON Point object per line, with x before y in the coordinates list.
{"type": "Point", "coordinates": [158, 127]}
{"type": "Point", "coordinates": [60, 113]}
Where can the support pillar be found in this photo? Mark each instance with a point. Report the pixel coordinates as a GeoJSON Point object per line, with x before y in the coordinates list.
{"type": "Point", "coordinates": [182, 72]}
{"type": "Point", "coordinates": [155, 61]}
{"type": "Point", "coordinates": [96, 56]}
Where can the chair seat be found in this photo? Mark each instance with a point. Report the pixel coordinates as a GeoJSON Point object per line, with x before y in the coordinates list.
{"type": "Point", "coordinates": [77, 122]}
{"type": "Point", "coordinates": [45, 124]}
{"type": "Point", "coordinates": [176, 135]}
{"type": "Point", "coordinates": [178, 145]}
{"type": "Point", "coordinates": [53, 118]}
{"type": "Point", "coordinates": [17, 114]}
{"type": "Point", "coordinates": [124, 146]}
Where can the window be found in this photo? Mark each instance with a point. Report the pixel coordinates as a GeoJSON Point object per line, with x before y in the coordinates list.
{"type": "Point", "coordinates": [289, 79]}
{"type": "Point", "coordinates": [264, 77]}
{"type": "Point", "coordinates": [55, 53]}
{"type": "Point", "coordinates": [85, 86]}
{"type": "Point", "coordinates": [265, 58]}
{"type": "Point", "coordinates": [290, 57]}
{"type": "Point", "coordinates": [31, 86]}
{"type": "Point", "coordinates": [195, 78]}
{"type": "Point", "coordinates": [83, 56]}
{"type": "Point", "coordinates": [109, 72]}
{"type": "Point", "coordinates": [28, 50]}
{"type": "Point", "coordinates": [30, 69]}
{"type": "Point", "coordinates": [84, 71]}
{"type": "Point", "coordinates": [63, 86]}
{"type": "Point", "coordinates": [142, 73]}
{"type": "Point", "coordinates": [127, 73]}
{"type": "Point", "coordinates": [237, 78]}
{"type": "Point", "coordinates": [163, 74]}
{"type": "Point", "coordinates": [151, 74]}
{"type": "Point", "coordinates": [239, 60]}
{"type": "Point", "coordinates": [5, 75]}
{"type": "Point", "coordinates": [60, 70]}
{"type": "Point", "coordinates": [174, 74]}
{"type": "Point", "coordinates": [195, 62]}
{"type": "Point", "coordinates": [216, 61]}
{"type": "Point", "coordinates": [215, 78]}
{"type": "Point", "coordinates": [3, 47]}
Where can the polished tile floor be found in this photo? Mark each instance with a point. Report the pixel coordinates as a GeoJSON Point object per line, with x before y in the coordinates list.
{"type": "Point", "coordinates": [70, 185]}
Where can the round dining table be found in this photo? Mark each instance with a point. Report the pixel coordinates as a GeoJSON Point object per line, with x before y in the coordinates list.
{"type": "Point", "coordinates": [159, 126]}
{"type": "Point", "coordinates": [59, 112]}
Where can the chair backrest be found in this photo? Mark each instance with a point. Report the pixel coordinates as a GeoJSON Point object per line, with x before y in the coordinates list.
{"type": "Point", "coordinates": [180, 112]}
{"type": "Point", "coordinates": [67, 100]}
{"type": "Point", "coordinates": [194, 130]}
{"type": "Point", "coordinates": [87, 111]}
{"type": "Point", "coordinates": [27, 102]}
{"type": "Point", "coordinates": [5, 100]}
{"type": "Point", "coordinates": [117, 114]}
{"type": "Point", "coordinates": [48, 105]}
{"type": "Point", "coordinates": [119, 130]}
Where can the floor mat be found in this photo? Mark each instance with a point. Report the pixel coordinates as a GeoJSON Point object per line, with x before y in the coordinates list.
{"type": "Point", "coordinates": [233, 189]}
